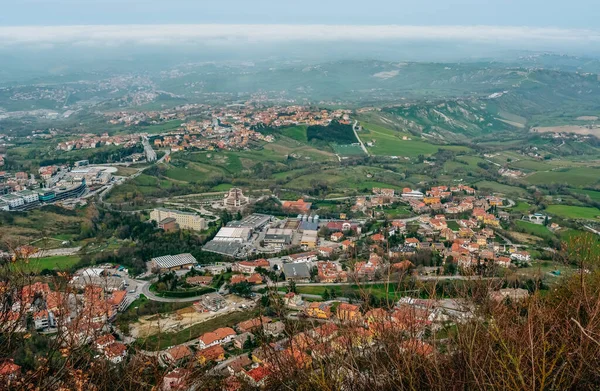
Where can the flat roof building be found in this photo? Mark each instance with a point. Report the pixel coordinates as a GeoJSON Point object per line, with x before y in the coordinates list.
{"type": "Point", "coordinates": [278, 236]}
{"type": "Point", "coordinates": [173, 262]}
{"type": "Point", "coordinates": [296, 271]}
{"type": "Point", "coordinates": [185, 220]}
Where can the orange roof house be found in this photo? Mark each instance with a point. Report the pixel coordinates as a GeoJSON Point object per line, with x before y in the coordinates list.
{"type": "Point", "coordinates": [299, 205]}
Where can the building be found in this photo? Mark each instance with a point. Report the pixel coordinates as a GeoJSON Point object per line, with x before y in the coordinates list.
{"type": "Point", "coordinates": [255, 221]}
{"type": "Point", "coordinates": [220, 336]}
{"type": "Point", "coordinates": [214, 353]}
{"type": "Point", "coordinates": [249, 267]}
{"type": "Point", "coordinates": [169, 224]}
{"type": "Point", "coordinates": [185, 220]}
{"type": "Point", "coordinates": [213, 301]}
{"type": "Point", "coordinates": [173, 262]}
{"type": "Point", "coordinates": [309, 239]}
{"type": "Point", "coordinates": [115, 352]}
{"type": "Point", "coordinates": [235, 199]}
{"type": "Point", "coordinates": [177, 379]}
{"type": "Point", "coordinates": [296, 206]}
{"type": "Point", "coordinates": [233, 234]}
{"type": "Point", "coordinates": [318, 310]}
{"type": "Point", "coordinates": [296, 272]}
{"type": "Point", "coordinates": [177, 353]}
{"type": "Point", "coordinates": [13, 200]}
{"type": "Point", "coordinates": [310, 256]}
{"type": "Point", "coordinates": [251, 325]}
{"type": "Point", "coordinates": [278, 237]}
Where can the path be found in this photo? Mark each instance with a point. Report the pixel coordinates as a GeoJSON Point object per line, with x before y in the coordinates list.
{"type": "Point", "coordinates": [359, 140]}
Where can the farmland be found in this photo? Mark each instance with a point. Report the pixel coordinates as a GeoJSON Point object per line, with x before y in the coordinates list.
{"type": "Point", "coordinates": [574, 212]}
{"type": "Point", "coordinates": [388, 142]}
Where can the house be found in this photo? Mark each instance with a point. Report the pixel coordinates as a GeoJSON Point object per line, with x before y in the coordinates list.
{"type": "Point", "coordinates": [221, 335]}
{"type": "Point", "coordinates": [318, 310]}
{"type": "Point", "coordinates": [347, 244]}
{"type": "Point", "coordinates": [104, 340]}
{"type": "Point", "coordinates": [348, 312]}
{"type": "Point", "coordinates": [214, 353]}
{"type": "Point", "coordinates": [115, 352]}
{"type": "Point", "coordinates": [241, 339]}
{"type": "Point", "coordinates": [330, 272]}
{"type": "Point", "coordinates": [176, 380]}
{"type": "Point", "coordinates": [336, 236]}
{"type": "Point", "coordinates": [402, 266]}
{"type": "Point", "coordinates": [310, 256]}
{"type": "Point", "coordinates": [297, 206]}
{"type": "Point", "coordinates": [522, 256]}
{"type": "Point", "coordinates": [253, 279]}
{"type": "Point", "coordinates": [274, 329]}
{"type": "Point", "coordinates": [9, 370]}
{"type": "Point", "coordinates": [378, 238]}
{"type": "Point", "coordinates": [252, 324]}
{"type": "Point", "coordinates": [325, 251]}
{"type": "Point", "coordinates": [412, 242]}
{"type": "Point", "coordinates": [257, 376]}
{"type": "Point", "coordinates": [503, 261]}
{"type": "Point", "coordinates": [177, 353]}
{"type": "Point", "coordinates": [249, 267]}
{"type": "Point", "coordinates": [292, 299]}
{"type": "Point", "coordinates": [369, 268]}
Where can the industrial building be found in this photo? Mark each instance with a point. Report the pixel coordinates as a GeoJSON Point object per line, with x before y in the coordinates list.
{"type": "Point", "coordinates": [231, 234]}
{"type": "Point", "coordinates": [298, 272]}
{"type": "Point", "coordinates": [173, 262]}
{"type": "Point", "coordinates": [185, 220]}
{"type": "Point", "coordinates": [309, 239]}
{"type": "Point", "coordinates": [278, 237]}
{"type": "Point", "coordinates": [254, 221]}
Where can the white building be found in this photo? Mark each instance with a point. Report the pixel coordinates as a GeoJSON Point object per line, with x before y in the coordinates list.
{"type": "Point", "coordinates": [185, 220]}
{"type": "Point", "coordinates": [13, 200]}
{"type": "Point", "coordinates": [29, 196]}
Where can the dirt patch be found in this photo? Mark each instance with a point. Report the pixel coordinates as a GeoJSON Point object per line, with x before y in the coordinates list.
{"type": "Point", "coordinates": [525, 238]}
{"type": "Point", "coordinates": [181, 319]}
{"type": "Point", "coordinates": [576, 129]}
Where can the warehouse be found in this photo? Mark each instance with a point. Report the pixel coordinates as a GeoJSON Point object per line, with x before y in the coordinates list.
{"type": "Point", "coordinates": [231, 234]}
{"type": "Point", "coordinates": [278, 237]}
{"type": "Point", "coordinates": [254, 221]}
{"type": "Point", "coordinates": [309, 239]}
{"type": "Point", "coordinates": [173, 262]}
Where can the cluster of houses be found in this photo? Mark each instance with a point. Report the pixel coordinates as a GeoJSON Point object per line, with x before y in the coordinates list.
{"type": "Point", "coordinates": [90, 141]}
{"type": "Point", "coordinates": [80, 318]}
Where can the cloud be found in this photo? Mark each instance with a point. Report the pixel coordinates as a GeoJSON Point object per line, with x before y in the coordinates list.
{"type": "Point", "coordinates": [111, 35]}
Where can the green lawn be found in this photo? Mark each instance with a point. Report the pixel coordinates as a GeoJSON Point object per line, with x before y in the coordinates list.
{"type": "Point", "coordinates": [185, 174]}
{"type": "Point", "coordinates": [534, 229]}
{"type": "Point", "coordinates": [378, 290]}
{"type": "Point", "coordinates": [574, 212]}
{"type": "Point", "coordinates": [164, 340]}
{"type": "Point", "coordinates": [521, 207]}
{"type": "Point", "coordinates": [395, 213]}
{"type": "Point", "coordinates": [62, 262]}
{"type": "Point", "coordinates": [532, 165]}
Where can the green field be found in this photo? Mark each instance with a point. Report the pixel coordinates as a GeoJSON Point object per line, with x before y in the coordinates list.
{"type": "Point", "coordinates": [576, 177]}
{"type": "Point", "coordinates": [453, 225]}
{"type": "Point", "coordinates": [521, 207]}
{"type": "Point", "coordinates": [295, 132]}
{"type": "Point", "coordinates": [380, 291]}
{"type": "Point", "coordinates": [574, 212]}
{"type": "Point", "coordinates": [348, 150]}
{"type": "Point", "coordinates": [594, 195]}
{"type": "Point", "coordinates": [500, 188]}
{"type": "Point", "coordinates": [389, 142]}
{"type": "Point", "coordinates": [534, 229]}
{"type": "Point", "coordinates": [62, 262]}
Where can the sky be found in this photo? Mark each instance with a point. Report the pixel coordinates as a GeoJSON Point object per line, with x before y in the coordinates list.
{"type": "Point", "coordinates": [572, 14]}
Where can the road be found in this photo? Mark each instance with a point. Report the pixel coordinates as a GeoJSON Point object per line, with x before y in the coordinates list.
{"type": "Point", "coordinates": [358, 138]}
{"type": "Point", "coordinates": [152, 296]}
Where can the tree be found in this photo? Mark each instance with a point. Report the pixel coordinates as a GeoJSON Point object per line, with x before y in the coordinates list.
{"type": "Point", "coordinates": [292, 287]}
{"type": "Point", "coordinates": [326, 295]}
{"type": "Point", "coordinates": [248, 344]}
{"type": "Point", "coordinates": [242, 289]}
